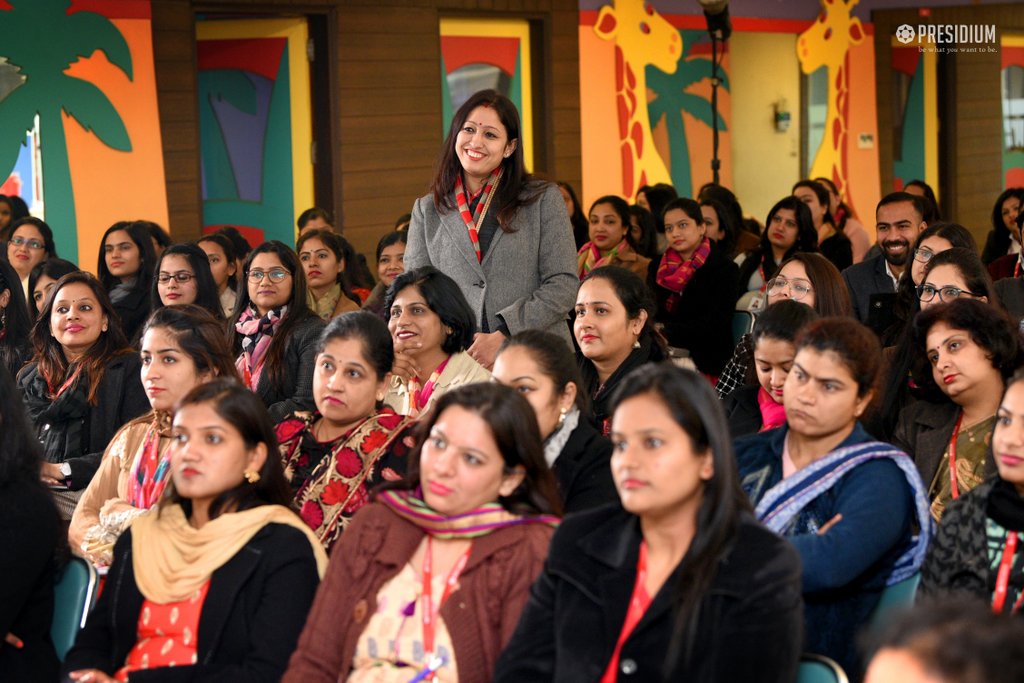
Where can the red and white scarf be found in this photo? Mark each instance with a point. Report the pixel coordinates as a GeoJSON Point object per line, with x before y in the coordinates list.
{"type": "Point", "coordinates": [483, 197]}
{"type": "Point", "coordinates": [257, 333]}
{"type": "Point", "coordinates": [674, 272]}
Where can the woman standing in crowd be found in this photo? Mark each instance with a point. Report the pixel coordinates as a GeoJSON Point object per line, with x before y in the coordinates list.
{"type": "Point", "coordinates": [275, 332]}
{"type": "Point", "coordinates": [540, 367]}
{"type": "Point", "coordinates": [183, 276]}
{"type": "Point", "coordinates": [845, 221]}
{"type": "Point", "coordinates": [15, 348]}
{"type": "Point", "coordinates": [850, 505]}
{"type": "Point", "coordinates": [758, 407]}
{"type": "Point", "coordinates": [834, 245]}
{"type": "Point", "coordinates": [218, 581]}
{"type": "Point", "coordinates": [323, 261]}
{"type": "Point", "coordinates": [975, 549]}
{"type": "Point", "coordinates": [30, 531]}
{"type": "Point", "coordinates": [643, 232]}
{"type": "Point", "coordinates": [805, 277]}
{"type": "Point", "coordinates": [1004, 237]}
{"type": "Point", "coordinates": [436, 571]}
{"type": "Point", "coordinates": [502, 236]}
{"type": "Point", "coordinates": [42, 279]}
{"type": "Point", "coordinates": [677, 582]}
{"type": "Point", "coordinates": [972, 349]}
{"type": "Point", "coordinates": [789, 229]}
{"type": "Point", "coordinates": [125, 267]}
{"type": "Point", "coordinates": [223, 267]}
{"type": "Point", "coordinates": [182, 347]}
{"type": "Point", "coordinates": [694, 285]}
{"type": "Point", "coordinates": [580, 224]}
{"type": "Point", "coordinates": [611, 240]}
{"type": "Point", "coordinates": [614, 327]}
{"type": "Point", "coordinates": [82, 384]}
{"type": "Point", "coordinates": [431, 325]}
{"type": "Point", "coordinates": [335, 455]}
{"type": "Point", "coordinates": [31, 243]}
{"type": "Point", "coordinates": [390, 264]}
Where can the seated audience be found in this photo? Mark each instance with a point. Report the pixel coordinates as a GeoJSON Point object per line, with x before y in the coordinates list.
{"type": "Point", "coordinates": [390, 264]}
{"type": "Point", "coordinates": [437, 569]}
{"type": "Point", "coordinates": [680, 583]}
{"type": "Point", "coordinates": [789, 229]}
{"type": "Point", "coordinates": [541, 367]}
{"type": "Point", "coordinates": [757, 407]}
{"type": "Point", "coordinates": [275, 332]}
{"type": "Point", "coordinates": [654, 198]}
{"type": "Point", "coordinates": [42, 279]}
{"type": "Point", "coordinates": [314, 218]}
{"type": "Point", "coordinates": [15, 325]}
{"type": "Point", "coordinates": [955, 273]}
{"type": "Point", "coordinates": [845, 221]}
{"type": "Point", "coordinates": [223, 266]}
{"type": "Point", "coordinates": [217, 581]}
{"type": "Point", "coordinates": [183, 276]}
{"type": "Point", "coordinates": [30, 244]}
{"type": "Point", "coordinates": [975, 548]}
{"type": "Point", "coordinates": [431, 326]}
{"type": "Point", "coordinates": [239, 244]}
{"type": "Point", "coordinates": [611, 240]}
{"type": "Point", "coordinates": [972, 349]}
{"type": "Point", "coordinates": [82, 384]}
{"type": "Point", "coordinates": [182, 347]}
{"type": "Point", "coordinates": [125, 266]}
{"type": "Point", "coordinates": [30, 530]}
{"type": "Point", "coordinates": [694, 285]}
{"type": "Point", "coordinates": [732, 239]}
{"type": "Point", "coordinates": [643, 231]}
{"type": "Point", "coordinates": [834, 245]}
{"type": "Point", "coordinates": [579, 222]}
{"type": "Point", "coordinates": [1011, 287]}
{"type": "Point", "coordinates": [614, 328]}
{"type": "Point", "coordinates": [1004, 238]}
{"type": "Point", "coordinates": [334, 455]}
{"type": "Point", "coordinates": [323, 260]}
{"type": "Point", "coordinates": [161, 238]}
{"type": "Point", "coordinates": [920, 188]}
{"type": "Point", "coordinates": [854, 508]}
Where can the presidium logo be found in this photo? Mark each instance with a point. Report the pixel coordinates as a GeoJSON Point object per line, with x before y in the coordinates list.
{"type": "Point", "coordinates": [949, 37]}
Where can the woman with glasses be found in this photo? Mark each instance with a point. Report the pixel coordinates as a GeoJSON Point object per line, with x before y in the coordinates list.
{"type": "Point", "coordinates": [31, 243]}
{"type": "Point", "coordinates": [805, 277]}
{"type": "Point", "coordinates": [275, 332]}
{"type": "Point", "coordinates": [788, 229]}
{"type": "Point", "coordinates": [952, 274]}
{"type": "Point", "coordinates": [125, 267]}
{"type": "Point", "coordinates": [694, 285]}
{"type": "Point", "coordinates": [183, 276]}
{"type": "Point", "coordinates": [971, 348]}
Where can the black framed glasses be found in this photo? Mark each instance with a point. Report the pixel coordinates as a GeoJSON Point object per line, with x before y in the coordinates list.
{"type": "Point", "coordinates": [798, 287]}
{"type": "Point", "coordinates": [275, 275]}
{"type": "Point", "coordinates": [927, 292]}
{"type": "Point", "coordinates": [31, 244]}
{"type": "Point", "coordinates": [923, 255]}
{"type": "Point", "coordinates": [181, 276]}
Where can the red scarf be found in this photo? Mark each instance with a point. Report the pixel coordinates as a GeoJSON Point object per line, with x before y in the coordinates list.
{"type": "Point", "coordinates": [475, 219]}
{"type": "Point", "coordinates": [674, 273]}
{"type": "Point", "coordinates": [773, 414]}
{"type": "Point", "coordinates": [589, 257]}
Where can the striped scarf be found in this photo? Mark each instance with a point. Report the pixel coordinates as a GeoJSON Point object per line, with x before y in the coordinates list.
{"type": "Point", "coordinates": [410, 506]}
{"type": "Point", "coordinates": [483, 197]}
{"type": "Point", "coordinates": [674, 273]}
{"type": "Point", "coordinates": [589, 257]}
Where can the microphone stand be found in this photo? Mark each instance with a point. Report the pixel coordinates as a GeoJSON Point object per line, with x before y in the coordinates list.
{"type": "Point", "coordinates": [716, 164]}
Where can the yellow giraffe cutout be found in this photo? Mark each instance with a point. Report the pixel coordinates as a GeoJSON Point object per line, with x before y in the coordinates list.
{"type": "Point", "coordinates": [826, 43]}
{"type": "Point", "coordinates": [642, 37]}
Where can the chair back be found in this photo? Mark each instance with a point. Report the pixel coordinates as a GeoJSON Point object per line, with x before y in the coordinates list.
{"type": "Point", "coordinates": [73, 595]}
{"type": "Point", "coordinates": [895, 599]}
{"type": "Point", "coordinates": [742, 323]}
{"type": "Point", "coordinates": [820, 669]}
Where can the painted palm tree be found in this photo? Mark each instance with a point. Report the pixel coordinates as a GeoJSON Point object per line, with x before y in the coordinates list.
{"type": "Point", "coordinates": [672, 100]}
{"type": "Point", "coordinates": [41, 40]}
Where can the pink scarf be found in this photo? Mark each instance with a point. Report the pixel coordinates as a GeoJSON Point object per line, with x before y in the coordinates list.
{"type": "Point", "coordinates": [257, 333]}
{"type": "Point", "coordinates": [772, 414]}
{"type": "Point", "coordinates": [674, 273]}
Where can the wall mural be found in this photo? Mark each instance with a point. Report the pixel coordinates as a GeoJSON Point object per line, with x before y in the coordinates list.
{"type": "Point", "coordinates": [1013, 110]}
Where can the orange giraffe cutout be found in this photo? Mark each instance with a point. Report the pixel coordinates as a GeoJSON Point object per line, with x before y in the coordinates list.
{"type": "Point", "coordinates": [642, 37]}
{"type": "Point", "coordinates": [827, 43]}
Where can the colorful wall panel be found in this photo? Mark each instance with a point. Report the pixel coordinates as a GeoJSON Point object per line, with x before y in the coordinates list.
{"type": "Point", "coordinates": [916, 136]}
{"type": "Point", "coordinates": [87, 72]}
{"type": "Point", "coordinates": [255, 125]}
{"type": "Point", "coordinates": [1013, 110]}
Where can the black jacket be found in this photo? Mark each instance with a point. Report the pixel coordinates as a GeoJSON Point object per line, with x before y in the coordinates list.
{"type": "Point", "coordinates": [701, 321]}
{"type": "Point", "coordinates": [250, 623]}
{"type": "Point", "coordinates": [29, 531]}
{"type": "Point", "coordinates": [750, 621]}
{"type": "Point", "coordinates": [871, 293]}
{"type": "Point", "coordinates": [133, 310]}
{"type": "Point", "coordinates": [743, 412]}
{"type": "Point", "coordinates": [583, 469]}
{"type": "Point", "coordinates": [923, 433]}
{"type": "Point", "coordinates": [296, 390]}
{"type": "Point", "coordinates": [120, 398]}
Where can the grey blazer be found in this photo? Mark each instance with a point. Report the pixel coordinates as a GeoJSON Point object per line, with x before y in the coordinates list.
{"type": "Point", "coordinates": [528, 277]}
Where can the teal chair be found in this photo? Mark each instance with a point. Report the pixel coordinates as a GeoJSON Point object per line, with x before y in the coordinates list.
{"type": "Point", "coordinates": [895, 598]}
{"type": "Point", "coordinates": [820, 669]}
{"type": "Point", "coordinates": [742, 323]}
{"type": "Point", "coordinates": [74, 595]}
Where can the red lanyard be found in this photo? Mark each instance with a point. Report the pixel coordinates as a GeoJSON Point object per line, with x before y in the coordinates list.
{"type": "Point", "coordinates": [764, 280]}
{"type": "Point", "coordinates": [952, 457]}
{"type": "Point", "coordinates": [1003, 577]}
{"type": "Point", "coordinates": [429, 613]}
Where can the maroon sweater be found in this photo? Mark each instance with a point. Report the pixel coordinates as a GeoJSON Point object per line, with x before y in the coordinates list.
{"type": "Point", "coordinates": [480, 615]}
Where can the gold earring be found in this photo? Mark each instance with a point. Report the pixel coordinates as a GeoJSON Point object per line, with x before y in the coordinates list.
{"type": "Point", "coordinates": [251, 476]}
